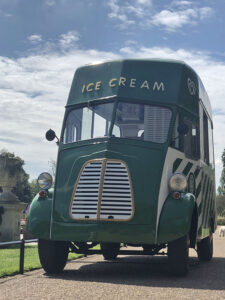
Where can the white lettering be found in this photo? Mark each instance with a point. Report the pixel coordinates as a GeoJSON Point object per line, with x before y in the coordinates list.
{"type": "Point", "coordinates": [145, 85]}
{"type": "Point", "coordinates": [98, 85]}
{"type": "Point", "coordinates": [158, 86]}
{"type": "Point", "coordinates": [132, 82]}
{"type": "Point", "coordinates": [111, 84]}
{"type": "Point", "coordinates": [83, 88]}
{"type": "Point", "coordinates": [90, 87]}
{"type": "Point", "coordinates": [122, 81]}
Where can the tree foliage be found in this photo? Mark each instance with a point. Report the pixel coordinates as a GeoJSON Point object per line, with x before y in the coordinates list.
{"type": "Point", "coordinates": [221, 188]}
{"type": "Point", "coordinates": [220, 199]}
{"type": "Point", "coordinates": [34, 188]}
{"type": "Point", "coordinates": [22, 189]}
{"type": "Point", "coordinates": [220, 205]}
{"type": "Point", "coordinates": [52, 164]}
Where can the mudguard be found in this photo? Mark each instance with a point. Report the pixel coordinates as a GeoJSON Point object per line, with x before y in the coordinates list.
{"type": "Point", "coordinates": [175, 219]}
{"type": "Point", "coordinates": [39, 216]}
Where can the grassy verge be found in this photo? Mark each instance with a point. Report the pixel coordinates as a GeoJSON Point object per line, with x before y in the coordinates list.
{"type": "Point", "coordinates": [10, 257]}
{"type": "Point", "coordinates": [220, 220]}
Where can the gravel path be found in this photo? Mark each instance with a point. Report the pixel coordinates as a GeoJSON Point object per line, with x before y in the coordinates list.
{"type": "Point", "coordinates": [129, 277]}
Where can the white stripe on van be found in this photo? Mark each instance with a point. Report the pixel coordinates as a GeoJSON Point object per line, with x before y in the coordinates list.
{"type": "Point", "coordinates": [171, 156]}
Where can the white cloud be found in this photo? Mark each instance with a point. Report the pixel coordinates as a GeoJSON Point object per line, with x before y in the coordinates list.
{"type": "Point", "coordinates": [119, 13]}
{"type": "Point", "coordinates": [34, 89]}
{"type": "Point", "coordinates": [181, 3]}
{"type": "Point", "coordinates": [127, 12]}
{"type": "Point", "coordinates": [35, 38]}
{"type": "Point", "coordinates": [50, 2]}
{"type": "Point", "coordinates": [69, 39]}
{"type": "Point", "coordinates": [64, 42]}
{"type": "Point", "coordinates": [144, 2]}
{"type": "Point", "coordinates": [205, 12]}
{"type": "Point", "coordinates": [144, 14]}
{"type": "Point", "coordinates": [172, 20]}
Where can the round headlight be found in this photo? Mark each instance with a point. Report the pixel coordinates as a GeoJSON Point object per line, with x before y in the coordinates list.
{"type": "Point", "coordinates": [45, 181]}
{"type": "Point", "coordinates": [178, 182]}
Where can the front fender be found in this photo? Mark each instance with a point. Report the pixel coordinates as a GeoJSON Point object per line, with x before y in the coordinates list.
{"type": "Point", "coordinates": [39, 216]}
{"type": "Point", "coordinates": [175, 218]}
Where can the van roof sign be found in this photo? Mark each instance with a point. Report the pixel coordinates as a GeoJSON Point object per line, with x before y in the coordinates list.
{"type": "Point", "coordinates": [151, 80]}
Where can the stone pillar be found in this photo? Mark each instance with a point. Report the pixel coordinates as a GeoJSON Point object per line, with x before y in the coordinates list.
{"type": "Point", "coordinates": [10, 206]}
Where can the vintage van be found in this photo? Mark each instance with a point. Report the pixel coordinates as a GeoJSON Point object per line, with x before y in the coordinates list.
{"type": "Point", "coordinates": [135, 167]}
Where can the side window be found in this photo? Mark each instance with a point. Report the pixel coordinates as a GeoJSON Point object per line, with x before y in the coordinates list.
{"type": "Point", "coordinates": [206, 138]}
{"type": "Point", "coordinates": [211, 152]}
{"type": "Point", "coordinates": [207, 153]}
{"type": "Point", "coordinates": [175, 137]}
{"type": "Point", "coordinates": [191, 140]}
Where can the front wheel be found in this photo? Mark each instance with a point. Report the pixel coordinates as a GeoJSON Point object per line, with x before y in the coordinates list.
{"type": "Point", "coordinates": [205, 248]}
{"type": "Point", "coordinates": [178, 253]}
{"type": "Point", "coordinates": [110, 250]}
{"type": "Point", "coordinates": [53, 255]}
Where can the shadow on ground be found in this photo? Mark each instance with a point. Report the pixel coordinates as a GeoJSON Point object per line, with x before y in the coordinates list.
{"type": "Point", "coordinates": [147, 271]}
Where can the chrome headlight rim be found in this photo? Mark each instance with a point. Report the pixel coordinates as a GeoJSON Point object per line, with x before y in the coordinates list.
{"type": "Point", "coordinates": [45, 181]}
{"type": "Point", "coordinates": [178, 182]}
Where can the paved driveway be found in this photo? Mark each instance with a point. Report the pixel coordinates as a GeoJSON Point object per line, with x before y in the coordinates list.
{"type": "Point", "coordinates": [129, 277]}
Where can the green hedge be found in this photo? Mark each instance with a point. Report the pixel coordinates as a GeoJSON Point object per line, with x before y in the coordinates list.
{"type": "Point", "coordinates": [220, 220]}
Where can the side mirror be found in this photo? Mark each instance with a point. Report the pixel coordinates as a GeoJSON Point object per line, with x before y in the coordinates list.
{"type": "Point", "coordinates": [50, 135]}
{"type": "Point", "coordinates": [183, 129]}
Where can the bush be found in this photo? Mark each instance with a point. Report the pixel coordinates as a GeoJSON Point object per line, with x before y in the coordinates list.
{"type": "Point", "coordinates": [220, 220]}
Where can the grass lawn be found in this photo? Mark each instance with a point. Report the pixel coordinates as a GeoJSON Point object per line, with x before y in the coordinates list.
{"type": "Point", "coordinates": [10, 259]}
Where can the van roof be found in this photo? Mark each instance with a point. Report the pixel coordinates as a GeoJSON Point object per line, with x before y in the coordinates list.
{"type": "Point", "coordinates": [164, 81]}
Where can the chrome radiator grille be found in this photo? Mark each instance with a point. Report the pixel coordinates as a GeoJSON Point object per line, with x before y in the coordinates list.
{"type": "Point", "coordinates": [103, 191]}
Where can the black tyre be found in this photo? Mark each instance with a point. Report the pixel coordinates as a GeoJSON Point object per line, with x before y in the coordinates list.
{"type": "Point", "coordinates": [53, 255]}
{"type": "Point", "coordinates": [205, 248]}
{"type": "Point", "coordinates": [178, 253]}
{"type": "Point", "coordinates": [110, 250]}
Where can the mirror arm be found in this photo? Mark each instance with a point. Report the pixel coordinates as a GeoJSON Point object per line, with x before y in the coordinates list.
{"type": "Point", "coordinates": [57, 142]}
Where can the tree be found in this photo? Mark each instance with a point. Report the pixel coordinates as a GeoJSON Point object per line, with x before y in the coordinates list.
{"type": "Point", "coordinates": [220, 205]}
{"type": "Point", "coordinates": [34, 188]}
{"type": "Point", "coordinates": [14, 164]}
{"type": "Point", "coordinates": [221, 188]}
{"type": "Point", "coordinates": [220, 199]}
{"type": "Point", "coordinates": [22, 189]}
{"type": "Point", "coordinates": [52, 164]}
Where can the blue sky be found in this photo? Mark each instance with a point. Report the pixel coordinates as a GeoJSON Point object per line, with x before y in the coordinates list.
{"type": "Point", "coordinates": [44, 41]}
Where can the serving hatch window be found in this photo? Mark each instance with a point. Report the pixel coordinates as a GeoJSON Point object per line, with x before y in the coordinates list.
{"type": "Point", "coordinates": [132, 121]}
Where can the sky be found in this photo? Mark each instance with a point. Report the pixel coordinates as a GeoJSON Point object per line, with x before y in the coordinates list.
{"type": "Point", "coordinates": [44, 41]}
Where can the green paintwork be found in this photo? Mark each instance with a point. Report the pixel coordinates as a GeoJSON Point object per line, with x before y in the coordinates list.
{"type": "Point", "coordinates": [39, 216]}
{"type": "Point", "coordinates": [173, 74]}
{"type": "Point", "coordinates": [145, 160]}
{"type": "Point", "coordinates": [145, 183]}
{"type": "Point", "coordinates": [175, 220]}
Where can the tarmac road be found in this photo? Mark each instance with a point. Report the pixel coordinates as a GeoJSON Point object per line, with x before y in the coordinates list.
{"type": "Point", "coordinates": [129, 277]}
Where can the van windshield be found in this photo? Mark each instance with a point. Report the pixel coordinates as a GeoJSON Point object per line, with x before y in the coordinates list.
{"type": "Point", "coordinates": [141, 121]}
{"type": "Point", "coordinates": [88, 123]}
{"type": "Point", "coordinates": [132, 121]}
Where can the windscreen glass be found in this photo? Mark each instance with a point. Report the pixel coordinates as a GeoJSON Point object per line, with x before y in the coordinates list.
{"type": "Point", "coordinates": [144, 122]}
{"type": "Point", "coordinates": [132, 121]}
{"type": "Point", "coordinates": [88, 122]}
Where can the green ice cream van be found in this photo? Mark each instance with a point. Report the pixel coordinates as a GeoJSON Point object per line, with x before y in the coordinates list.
{"type": "Point", "coordinates": [135, 167]}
